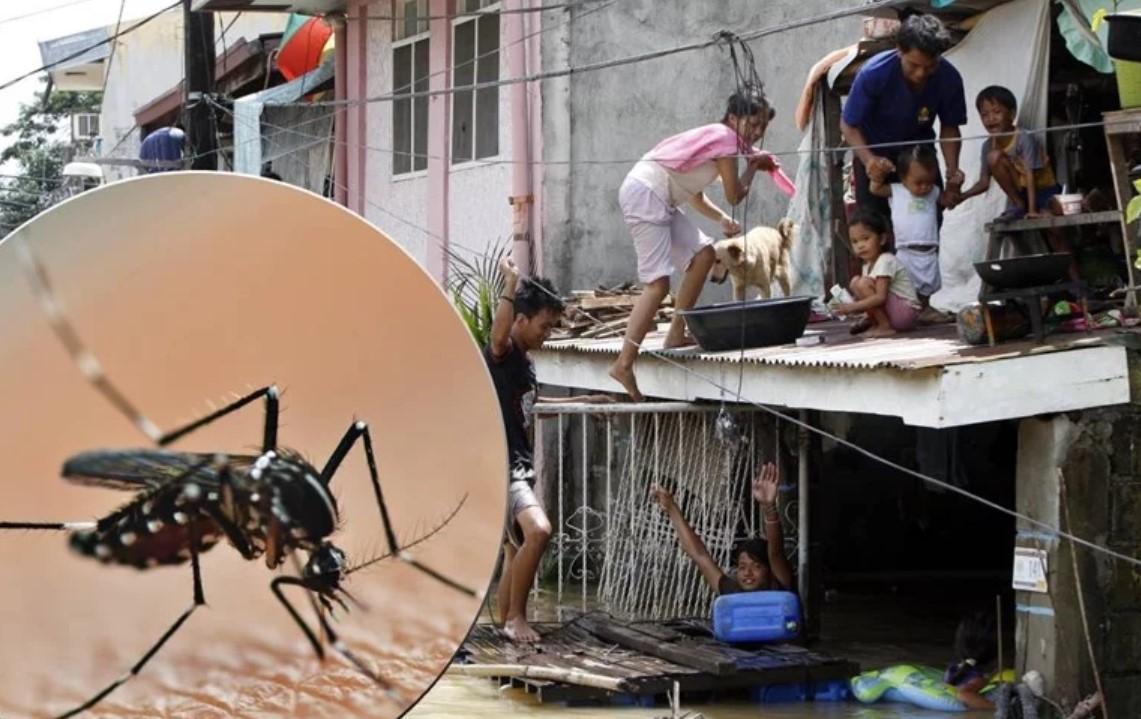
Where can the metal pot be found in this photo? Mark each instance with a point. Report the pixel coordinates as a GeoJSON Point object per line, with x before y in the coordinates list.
{"type": "Point", "coordinates": [1028, 271]}
{"type": "Point", "coordinates": [754, 323]}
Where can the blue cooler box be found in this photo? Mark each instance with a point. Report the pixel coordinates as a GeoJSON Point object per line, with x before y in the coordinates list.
{"type": "Point", "coordinates": [756, 617]}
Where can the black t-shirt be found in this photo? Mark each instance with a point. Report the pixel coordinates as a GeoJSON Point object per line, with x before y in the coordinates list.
{"type": "Point", "coordinates": [514, 377]}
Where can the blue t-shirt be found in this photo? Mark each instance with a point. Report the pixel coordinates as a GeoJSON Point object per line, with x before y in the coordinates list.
{"type": "Point", "coordinates": [887, 109]}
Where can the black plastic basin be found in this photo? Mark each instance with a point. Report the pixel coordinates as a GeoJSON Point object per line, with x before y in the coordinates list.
{"type": "Point", "coordinates": [1028, 271]}
{"type": "Point", "coordinates": [1124, 36]}
{"type": "Point", "coordinates": [777, 321]}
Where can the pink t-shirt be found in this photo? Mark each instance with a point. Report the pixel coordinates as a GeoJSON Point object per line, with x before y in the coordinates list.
{"type": "Point", "coordinates": [686, 150]}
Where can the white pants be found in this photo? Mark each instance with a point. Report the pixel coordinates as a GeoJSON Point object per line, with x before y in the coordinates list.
{"type": "Point", "coordinates": [664, 238]}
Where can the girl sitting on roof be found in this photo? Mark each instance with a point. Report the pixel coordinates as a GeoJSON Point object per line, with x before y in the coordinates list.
{"type": "Point", "coordinates": [760, 564]}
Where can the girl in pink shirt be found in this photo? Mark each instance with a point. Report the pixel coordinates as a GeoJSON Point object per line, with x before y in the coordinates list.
{"type": "Point", "coordinates": [673, 174]}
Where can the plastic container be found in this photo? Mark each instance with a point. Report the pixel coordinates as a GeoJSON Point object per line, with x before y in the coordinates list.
{"type": "Point", "coordinates": [1071, 203]}
{"type": "Point", "coordinates": [756, 617]}
{"type": "Point", "coordinates": [754, 323]}
{"type": "Point", "coordinates": [1128, 83]}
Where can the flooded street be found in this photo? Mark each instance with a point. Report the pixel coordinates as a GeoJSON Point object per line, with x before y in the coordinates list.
{"type": "Point", "coordinates": [875, 631]}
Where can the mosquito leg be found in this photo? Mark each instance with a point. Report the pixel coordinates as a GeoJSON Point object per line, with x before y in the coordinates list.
{"type": "Point", "coordinates": [89, 365]}
{"type": "Point", "coordinates": [276, 585]}
{"type": "Point", "coordinates": [269, 438]}
{"type": "Point", "coordinates": [199, 600]}
{"type": "Point", "coordinates": [58, 526]}
{"type": "Point", "coordinates": [359, 430]}
{"type": "Point", "coordinates": [80, 354]}
{"type": "Point", "coordinates": [222, 518]}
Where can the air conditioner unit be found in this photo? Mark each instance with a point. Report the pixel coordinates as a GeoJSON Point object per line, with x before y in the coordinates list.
{"type": "Point", "coordinates": [84, 126]}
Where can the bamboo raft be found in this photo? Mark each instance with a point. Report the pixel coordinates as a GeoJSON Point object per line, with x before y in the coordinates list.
{"type": "Point", "coordinates": [596, 659]}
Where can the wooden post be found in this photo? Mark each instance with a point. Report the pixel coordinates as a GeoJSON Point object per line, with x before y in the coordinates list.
{"type": "Point", "coordinates": [1118, 124]}
{"type": "Point", "coordinates": [841, 256]}
{"type": "Point", "coordinates": [198, 46]}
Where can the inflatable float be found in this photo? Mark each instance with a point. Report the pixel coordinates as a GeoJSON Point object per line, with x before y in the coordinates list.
{"type": "Point", "coordinates": [917, 685]}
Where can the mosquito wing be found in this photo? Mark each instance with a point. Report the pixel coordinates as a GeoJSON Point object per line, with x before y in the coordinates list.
{"type": "Point", "coordinates": [136, 469]}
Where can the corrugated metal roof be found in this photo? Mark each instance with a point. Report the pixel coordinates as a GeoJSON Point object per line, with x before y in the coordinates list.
{"type": "Point", "coordinates": [931, 348]}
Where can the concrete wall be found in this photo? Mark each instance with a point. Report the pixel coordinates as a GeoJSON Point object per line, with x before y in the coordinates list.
{"type": "Point", "coordinates": [147, 63]}
{"type": "Point", "coordinates": [1097, 456]}
{"type": "Point", "coordinates": [478, 213]}
{"type": "Point", "coordinates": [618, 114]}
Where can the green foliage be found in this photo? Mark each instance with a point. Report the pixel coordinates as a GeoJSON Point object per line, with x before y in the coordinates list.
{"type": "Point", "coordinates": [475, 286]}
{"type": "Point", "coordinates": [39, 145]}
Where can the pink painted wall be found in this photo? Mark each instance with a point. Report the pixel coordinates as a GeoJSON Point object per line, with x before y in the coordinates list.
{"type": "Point", "coordinates": [356, 127]}
{"type": "Point", "coordinates": [340, 121]}
{"type": "Point", "coordinates": [439, 112]}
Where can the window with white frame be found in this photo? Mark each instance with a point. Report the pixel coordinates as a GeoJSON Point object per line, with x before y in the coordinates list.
{"type": "Point", "coordinates": [409, 74]}
{"type": "Point", "coordinates": [475, 60]}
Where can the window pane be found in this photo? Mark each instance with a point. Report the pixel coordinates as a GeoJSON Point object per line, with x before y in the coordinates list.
{"type": "Point", "coordinates": [420, 107]}
{"type": "Point", "coordinates": [487, 98]}
{"type": "Point", "coordinates": [463, 56]}
{"type": "Point", "coordinates": [410, 19]}
{"type": "Point", "coordinates": [401, 110]}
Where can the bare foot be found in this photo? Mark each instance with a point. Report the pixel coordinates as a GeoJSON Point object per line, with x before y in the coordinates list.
{"type": "Point", "coordinates": [685, 340]}
{"type": "Point", "coordinates": [862, 325]}
{"type": "Point", "coordinates": [879, 332]}
{"type": "Point", "coordinates": [625, 377]}
{"type": "Point", "coordinates": [518, 630]}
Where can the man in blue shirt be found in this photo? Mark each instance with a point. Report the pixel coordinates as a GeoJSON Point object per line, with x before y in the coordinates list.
{"type": "Point", "coordinates": [895, 98]}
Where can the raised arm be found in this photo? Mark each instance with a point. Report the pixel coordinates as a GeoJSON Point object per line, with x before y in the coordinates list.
{"type": "Point", "coordinates": [691, 544]}
{"type": "Point", "coordinates": [504, 310]}
{"type": "Point", "coordinates": [765, 492]}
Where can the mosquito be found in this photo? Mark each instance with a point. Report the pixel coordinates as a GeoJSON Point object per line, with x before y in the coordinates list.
{"type": "Point", "coordinates": [271, 505]}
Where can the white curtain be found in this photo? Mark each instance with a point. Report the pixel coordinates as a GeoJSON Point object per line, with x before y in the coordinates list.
{"type": "Point", "coordinates": [1010, 46]}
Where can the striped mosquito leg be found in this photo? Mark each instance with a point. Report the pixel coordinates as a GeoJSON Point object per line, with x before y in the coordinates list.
{"type": "Point", "coordinates": [199, 600]}
{"type": "Point", "coordinates": [51, 526]}
{"type": "Point", "coordinates": [84, 359]}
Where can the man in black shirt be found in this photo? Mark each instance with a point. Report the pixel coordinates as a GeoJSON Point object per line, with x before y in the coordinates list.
{"type": "Point", "coordinates": [525, 315]}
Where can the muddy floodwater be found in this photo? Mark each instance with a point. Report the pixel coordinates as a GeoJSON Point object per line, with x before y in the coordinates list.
{"type": "Point", "coordinates": [455, 697]}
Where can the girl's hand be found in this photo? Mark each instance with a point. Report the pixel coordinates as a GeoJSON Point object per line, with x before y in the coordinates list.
{"type": "Point", "coordinates": [763, 161]}
{"type": "Point", "coordinates": [730, 227]}
{"type": "Point", "coordinates": [765, 485]}
{"type": "Point", "coordinates": [662, 497]}
{"type": "Point", "coordinates": [843, 309]}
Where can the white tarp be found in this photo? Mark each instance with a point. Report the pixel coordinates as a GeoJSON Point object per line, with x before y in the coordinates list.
{"type": "Point", "coordinates": [1010, 46]}
{"type": "Point", "coordinates": [248, 150]}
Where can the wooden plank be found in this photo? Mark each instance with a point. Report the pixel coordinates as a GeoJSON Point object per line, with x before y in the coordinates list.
{"type": "Point", "coordinates": [1122, 122]}
{"type": "Point", "coordinates": [1123, 189]}
{"type": "Point", "coordinates": [838, 241]}
{"type": "Point", "coordinates": [1051, 221]}
{"type": "Point", "coordinates": [619, 301]}
{"type": "Point", "coordinates": [653, 642]}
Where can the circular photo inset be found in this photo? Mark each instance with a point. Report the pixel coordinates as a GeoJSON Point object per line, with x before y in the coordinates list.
{"type": "Point", "coordinates": [253, 463]}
